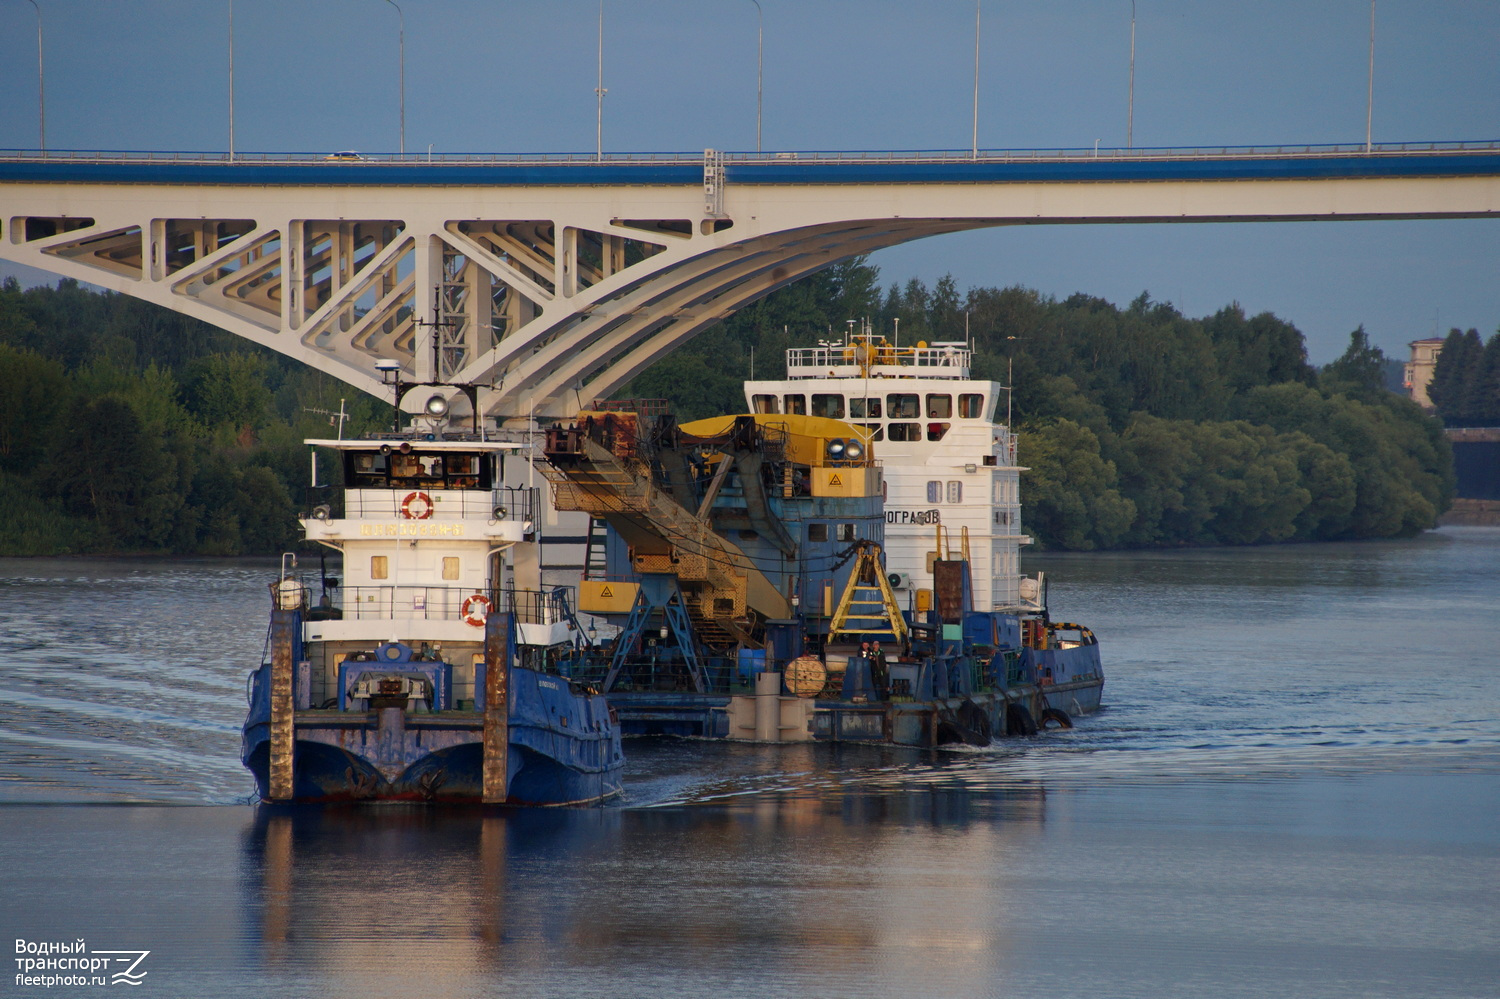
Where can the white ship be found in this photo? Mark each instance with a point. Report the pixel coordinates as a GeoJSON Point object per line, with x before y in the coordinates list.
{"type": "Point", "coordinates": [952, 482]}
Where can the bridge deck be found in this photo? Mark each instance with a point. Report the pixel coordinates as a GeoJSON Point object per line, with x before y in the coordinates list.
{"type": "Point", "coordinates": [1308, 162]}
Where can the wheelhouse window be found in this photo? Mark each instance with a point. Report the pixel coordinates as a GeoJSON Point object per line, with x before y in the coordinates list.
{"type": "Point", "coordinates": [766, 404]}
{"type": "Point", "coordinates": [796, 404]}
{"type": "Point", "coordinates": [934, 491]}
{"type": "Point", "coordinates": [418, 469]}
{"type": "Point", "coordinates": [831, 406]}
{"type": "Point", "coordinates": [846, 532]}
{"type": "Point", "coordinates": [877, 431]}
{"type": "Point", "coordinates": [903, 406]}
{"type": "Point", "coordinates": [817, 532]}
{"type": "Point", "coordinates": [937, 431]}
{"type": "Point", "coordinates": [905, 431]}
{"type": "Point", "coordinates": [971, 406]}
{"type": "Point", "coordinates": [939, 407]}
{"type": "Point", "coordinates": [955, 492]}
{"type": "Point", "coordinates": [367, 470]}
{"type": "Point", "coordinates": [866, 409]}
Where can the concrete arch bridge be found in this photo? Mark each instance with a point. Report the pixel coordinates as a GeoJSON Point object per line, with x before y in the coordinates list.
{"type": "Point", "coordinates": [548, 281]}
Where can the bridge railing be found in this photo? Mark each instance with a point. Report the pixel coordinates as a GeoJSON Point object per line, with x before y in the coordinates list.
{"type": "Point", "coordinates": [801, 156]}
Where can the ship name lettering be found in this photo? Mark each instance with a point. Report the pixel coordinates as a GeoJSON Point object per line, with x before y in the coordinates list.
{"type": "Point", "coordinates": [913, 517]}
{"type": "Point", "coordinates": [411, 530]}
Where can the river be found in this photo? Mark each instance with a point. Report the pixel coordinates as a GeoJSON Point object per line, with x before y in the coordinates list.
{"type": "Point", "coordinates": [1294, 790]}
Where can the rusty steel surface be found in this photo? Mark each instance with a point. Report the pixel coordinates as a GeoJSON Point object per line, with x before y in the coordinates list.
{"type": "Point", "coordinates": [496, 709]}
{"type": "Point", "coordinates": [948, 582]}
{"type": "Point", "coordinates": [279, 786]}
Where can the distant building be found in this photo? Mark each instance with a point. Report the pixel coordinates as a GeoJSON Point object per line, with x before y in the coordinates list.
{"type": "Point", "coordinates": [1424, 355]}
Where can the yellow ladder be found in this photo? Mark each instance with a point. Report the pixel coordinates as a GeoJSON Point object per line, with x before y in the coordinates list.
{"type": "Point", "coordinates": [868, 597]}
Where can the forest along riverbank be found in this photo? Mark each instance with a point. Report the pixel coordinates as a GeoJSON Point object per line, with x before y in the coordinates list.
{"type": "Point", "coordinates": [1140, 426]}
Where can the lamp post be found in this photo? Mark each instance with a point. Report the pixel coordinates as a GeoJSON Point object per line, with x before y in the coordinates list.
{"type": "Point", "coordinates": [1130, 112]}
{"type": "Point", "coordinates": [231, 80]}
{"type": "Point", "coordinates": [41, 81]}
{"type": "Point", "coordinates": [599, 92]}
{"type": "Point", "coordinates": [402, 50]}
{"type": "Point", "coordinates": [974, 148]}
{"type": "Point", "coordinates": [1370, 96]}
{"type": "Point", "coordinates": [760, 41]}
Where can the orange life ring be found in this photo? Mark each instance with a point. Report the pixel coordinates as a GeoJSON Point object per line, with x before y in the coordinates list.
{"type": "Point", "coordinates": [476, 603]}
{"type": "Point", "coordinates": [416, 497]}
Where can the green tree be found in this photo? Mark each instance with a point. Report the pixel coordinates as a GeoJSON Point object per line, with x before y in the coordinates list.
{"type": "Point", "coordinates": [1359, 372]}
{"type": "Point", "coordinates": [1070, 489]}
{"type": "Point", "coordinates": [34, 391]}
{"type": "Point", "coordinates": [1456, 389]}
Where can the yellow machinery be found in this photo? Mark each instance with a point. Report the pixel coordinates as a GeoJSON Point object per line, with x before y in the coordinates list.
{"type": "Point", "coordinates": [608, 465]}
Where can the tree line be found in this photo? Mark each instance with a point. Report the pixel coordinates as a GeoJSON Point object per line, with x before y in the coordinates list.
{"type": "Point", "coordinates": [128, 428]}
{"type": "Point", "coordinates": [125, 427]}
{"type": "Point", "coordinates": [1465, 385]}
{"type": "Point", "coordinates": [1139, 426]}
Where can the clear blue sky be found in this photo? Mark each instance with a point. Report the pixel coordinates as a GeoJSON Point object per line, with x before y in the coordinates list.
{"type": "Point", "coordinates": [316, 75]}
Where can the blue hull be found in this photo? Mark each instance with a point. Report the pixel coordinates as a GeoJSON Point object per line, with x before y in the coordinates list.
{"type": "Point", "coordinates": [564, 749]}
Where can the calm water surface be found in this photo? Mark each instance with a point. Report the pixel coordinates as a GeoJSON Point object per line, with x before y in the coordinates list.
{"type": "Point", "coordinates": [1294, 791]}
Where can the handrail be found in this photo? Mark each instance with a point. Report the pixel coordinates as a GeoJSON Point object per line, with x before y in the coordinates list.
{"type": "Point", "coordinates": [800, 157]}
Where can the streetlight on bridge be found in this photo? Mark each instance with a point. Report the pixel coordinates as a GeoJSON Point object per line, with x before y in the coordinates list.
{"type": "Point", "coordinates": [41, 81]}
{"type": "Point", "coordinates": [1130, 112]}
{"type": "Point", "coordinates": [402, 50]}
{"type": "Point", "coordinates": [760, 40]}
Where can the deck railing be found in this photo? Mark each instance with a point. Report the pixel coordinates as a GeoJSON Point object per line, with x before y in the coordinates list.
{"type": "Point", "coordinates": [785, 157]}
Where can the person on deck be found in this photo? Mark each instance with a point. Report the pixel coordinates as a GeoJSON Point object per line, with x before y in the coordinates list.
{"type": "Point", "coordinates": [879, 672]}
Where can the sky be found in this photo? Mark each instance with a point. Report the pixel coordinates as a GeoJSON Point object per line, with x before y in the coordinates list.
{"type": "Point", "coordinates": [516, 76]}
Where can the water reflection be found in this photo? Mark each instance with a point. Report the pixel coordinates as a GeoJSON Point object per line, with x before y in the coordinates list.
{"type": "Point", "coordinates": [819, 883]}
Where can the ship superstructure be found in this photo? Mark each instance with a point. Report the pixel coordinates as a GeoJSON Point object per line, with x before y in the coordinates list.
{"type": "Point", "coordinates": [952, 482]}
{"type": "Point", "coordinates": [416, 674]}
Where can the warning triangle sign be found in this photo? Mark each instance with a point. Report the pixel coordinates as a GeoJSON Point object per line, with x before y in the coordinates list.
{"type": "Point", "coordinates": [834, 480]}
{"type": "Point", "coordinates": [605, 591]}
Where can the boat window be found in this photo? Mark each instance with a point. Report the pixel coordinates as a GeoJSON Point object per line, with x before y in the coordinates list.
{"type": "Point", "coordinates": [796, 404]}
{"type": "Point", "coordinates": [971, 406]}
{"type": "Point", "coordinates": [379, 567]}
{"type": "Point", "coordinates": [955, 492]}
{"type": "Point", "coordinates": [831, 406]}
{"type": "Point", "coordinates": [367, 469]}
{"type": "Point", "coordinates": [442, 470]}
{"type": "Point", "coordinates": [936, 431]}
{"type": "Point", "coordinates": [877, 432]}
{"type": "Point", "coordinates": [817, 532]}
{"type": "Point", "coordinates": [450, 567]}
{"type": "Point", "coordinates": [405, 466]}
{"type": "Point", "coordinates": [766, 404]}
{"type": "Point", "coordinates": [934, 491]}
{"type": "Point", "coordinates": [902, 406]}
{"type": "Point", "coordinates": [846, 532]}
{"type": "Point", "coordinates": [868, 409]}
{"type": "Point", "coordinates": [905, 431]}
{"type": "Point", "coordinates": [939, 407]}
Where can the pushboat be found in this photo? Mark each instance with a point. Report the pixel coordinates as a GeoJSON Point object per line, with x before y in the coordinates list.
{"type": "Point", "coordinates": [419, 675]}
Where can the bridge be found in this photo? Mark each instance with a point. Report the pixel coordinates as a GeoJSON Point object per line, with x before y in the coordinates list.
{"type": "Point", "coordinates": [543, 282]}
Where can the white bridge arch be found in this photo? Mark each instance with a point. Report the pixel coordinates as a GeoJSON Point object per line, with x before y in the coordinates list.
{"type": "Point", "coordinates": [551, 281]}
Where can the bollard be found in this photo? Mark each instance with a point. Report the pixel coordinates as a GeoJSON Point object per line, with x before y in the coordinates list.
{"type": "Point", "coordinates": [768, 707]}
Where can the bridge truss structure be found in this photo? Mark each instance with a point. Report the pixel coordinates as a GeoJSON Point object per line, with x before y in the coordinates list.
{"type": "Point", "coordinates": [550, 281]}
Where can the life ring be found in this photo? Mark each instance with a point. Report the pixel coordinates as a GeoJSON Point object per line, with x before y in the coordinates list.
{"type": "Point", "coordinates": [425, 510]}
{"type": "Point", "coordinates": [477, 604]}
